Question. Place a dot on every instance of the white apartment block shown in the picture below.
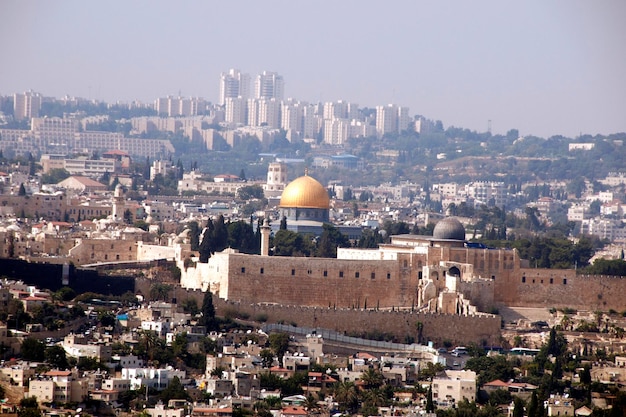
(609, 229)
(26, 105)
(159, 211)
(615, 179)
(264, 112)
(233, 84)
(454, 387)
(236, 110)
(341, 110)
(159, 167)
(311, 124)
(90, 167)
(179, 106)
(151, 377)
(292, 115)
(446, 189)
(269, 85)
(602, 196)
(578, 212)
(484, 192)
(58, 386)
(361, 129)
(391, 119)
(336, 131)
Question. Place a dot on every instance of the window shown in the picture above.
(551, 280)
(325, 273)
(243, 269)
(523, 279)
(340, 274)
(373, 275)
(356, 275)
(388, 275)
(564, 281)
(261, 271)
(293, 272)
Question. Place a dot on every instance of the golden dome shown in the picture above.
(305, 192)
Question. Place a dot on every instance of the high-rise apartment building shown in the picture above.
(391, 119)
(292, 113)
(264, 112)
(234, 84)
(26, 105)
(235, 110)
(269, 85)
(178, 106)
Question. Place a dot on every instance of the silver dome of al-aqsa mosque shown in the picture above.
(450, 229)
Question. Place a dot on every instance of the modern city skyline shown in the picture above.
(543, 68)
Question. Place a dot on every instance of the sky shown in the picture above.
(543, 67)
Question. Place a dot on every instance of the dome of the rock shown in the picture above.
(305, 192)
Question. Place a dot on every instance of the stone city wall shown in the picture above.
(563, 288)
(458, 329)
(321, 282)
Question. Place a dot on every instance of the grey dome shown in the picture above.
(449, 228)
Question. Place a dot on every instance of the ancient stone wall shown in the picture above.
(321, 282)
(458, 329)
(563, 288)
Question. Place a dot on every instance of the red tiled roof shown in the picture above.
(58, 373)
(497, 383)
(294, 411)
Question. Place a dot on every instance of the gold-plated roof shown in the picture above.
(305, 192)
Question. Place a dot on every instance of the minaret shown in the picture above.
(118, 202)
(265, 237)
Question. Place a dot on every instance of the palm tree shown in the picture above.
(159, 291)
(372, 378)
(347, 396)
(375, 397)
(311, 404)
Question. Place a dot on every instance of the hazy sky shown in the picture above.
(543, 67)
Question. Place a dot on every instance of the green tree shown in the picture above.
(241, 237)
(279, 343)
(372, 378)
(22, 191)
(208, 319)
(430, 405)
(518, 407)
(288, 243)
(33, 350)
(207, 247)
(54, 176)
(330, 239)
(28, 407)
(347, 396)
(220, 235)
(174, 391)
(250, 192)
(160, 291)
(55, 356)
(194, 234)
